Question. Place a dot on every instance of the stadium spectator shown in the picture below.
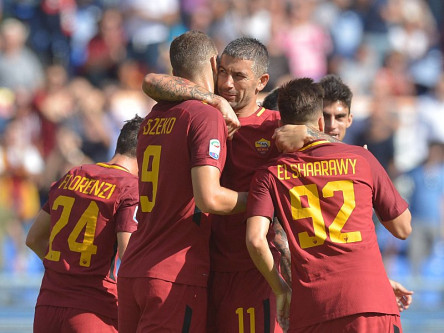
(293, 195)
(53, 103)
(20, 167)
(147, 24)
(106, 50)
(182, 149)
(88, 218)
(305, 42)
(19, 66)
(426, 204)
(90, 121)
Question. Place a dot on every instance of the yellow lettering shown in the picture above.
(302, 169)
(82, 184)
(88, 186)
(160, 126)
(286, 176)
(96, 188)
(111, 191)
(107, 187)
(309, 169)
(342, 166)
(332, 164)
(73, 183)
(279, 172)
(296, 173)
(317, 169)
(65, 181)
(325, 170)
(353, 164)
(171, 123)
(147, 127)
(152, 131)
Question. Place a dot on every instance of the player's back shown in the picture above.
(324, 197)
(171, 242)
(82, 250)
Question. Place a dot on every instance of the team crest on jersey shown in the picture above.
(262, 146)
(214, 149)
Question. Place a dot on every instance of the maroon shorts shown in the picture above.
(60, 319)
(359, 323)
(241, 302)
(154, 305)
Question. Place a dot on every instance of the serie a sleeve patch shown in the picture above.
(214, 149)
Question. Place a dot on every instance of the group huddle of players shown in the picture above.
(197, 256)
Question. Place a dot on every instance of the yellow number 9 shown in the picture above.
(150, 174)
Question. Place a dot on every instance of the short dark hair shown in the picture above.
(300, 101)
(247, 48)
(270, 101)
(127, 141)
(189, 51)
(336, 90)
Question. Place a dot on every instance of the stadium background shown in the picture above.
(71, 71)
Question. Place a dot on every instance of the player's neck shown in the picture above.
(247, 110)
(127, 162)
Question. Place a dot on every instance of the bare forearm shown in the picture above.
(281, 243)
(162, 87)
(226, 202)
(264, 262)
(39, 247)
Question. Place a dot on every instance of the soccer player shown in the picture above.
(337, 118)
(323, 195)
(337, 106)
(181, 153)
(240, 300)
(88, 217)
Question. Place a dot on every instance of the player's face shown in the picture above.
(237, 82)
(337, 119)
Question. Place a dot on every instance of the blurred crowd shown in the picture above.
(71, 73)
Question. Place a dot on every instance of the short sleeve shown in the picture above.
(125, 216)
(387, 201)
(260, 202)
(207, 137)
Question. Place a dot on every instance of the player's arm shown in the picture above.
(260, 253)
(403, 296)
(213, 198)
(162, 87)
(38, 236)
(122, 242)
(281, 242)
(290, 138)
(400, 226)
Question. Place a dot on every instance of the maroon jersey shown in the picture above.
(88, 206)
(172, 240)
(323, 195)
(251, 148)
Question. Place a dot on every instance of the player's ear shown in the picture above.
(262, 82)
(349, 120)
(321, 123)
(213, 61)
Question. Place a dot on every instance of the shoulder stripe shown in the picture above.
(112, 166)
(316, 143)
